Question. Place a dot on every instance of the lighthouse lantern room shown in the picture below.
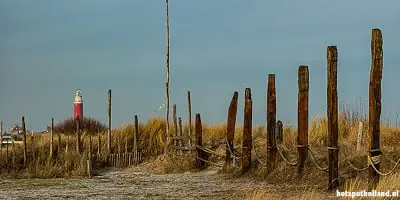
(78, 105)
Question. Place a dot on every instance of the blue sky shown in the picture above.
(49, 48)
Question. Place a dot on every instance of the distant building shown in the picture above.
(17, 130)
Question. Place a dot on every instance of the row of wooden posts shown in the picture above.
(303, 117)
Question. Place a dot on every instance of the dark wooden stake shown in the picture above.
(200, 164)
(302, 117)
(247, 132)
(230, 130)
(33, 147)
(109, 123)
(78, 137)
(375, 103)
(24, 132)
(271, 122)
(136, 135)
(333, 156)
(279, 132)
(98, 144)
(190, 119)
(51, 137)
(180, 143)
(175, 143)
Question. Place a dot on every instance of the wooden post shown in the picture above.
(1, 144)
(180, 144)
(77, 132)
(230, 130)
(13, 154)
(271, 122)
(360, 136)
(109, 123)
(59, 147)
(167, 78)
(1, 132)
(332, 98)
(200, 164)
(7, 154)
(375, 104)
(126, 143)
(247, 132)
(24, 133)
(66, 144)
(302, 117)
(98, 144)
(33, 147)
(90, 146)
(279, 132)
(175, 143)
(51, 137)
(89, 167)
(190, 119)
(136, 135)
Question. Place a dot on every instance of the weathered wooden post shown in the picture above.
(33, 146)
(175, 143)
(230, 130)
(66, 144)
(247, 132)
(360, 136)
(24, 133)
(375, 105)
(190, 119)
(7, 154)
(59, 147)
(332, 112)
(271, 122)
(1, 133)
(126, 143)
(302, 117)
(200, 163)
(136, 135)
(13, 154)
(180, 144)
(78, 138)
(98, 144)
(109, 123)
(51, 137)
(168, 138)
(279, 132)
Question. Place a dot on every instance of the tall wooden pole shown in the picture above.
(332, 98)
(51, 137)
(78, 137)
(302, 116)
(271, 122)
(136, 135)
(230, 130)
(109, 123)
(190, 119)
(247, 132)
(174, 117)
(24, 132)
(200, 163)
(1, 131)
(375, 104)
(168, 136)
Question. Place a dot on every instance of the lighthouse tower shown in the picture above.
(78, 105)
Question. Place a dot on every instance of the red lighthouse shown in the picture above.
(78, 105)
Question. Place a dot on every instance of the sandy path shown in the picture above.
(130, 184)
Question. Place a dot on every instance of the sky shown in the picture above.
(48, 49)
